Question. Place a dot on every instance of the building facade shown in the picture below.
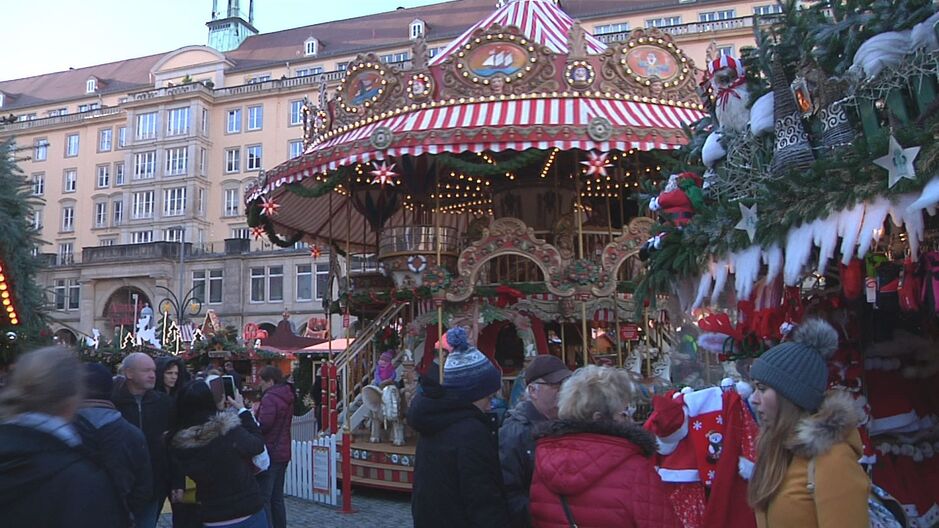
(141, 164)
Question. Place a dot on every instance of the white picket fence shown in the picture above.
(313, 463)
(304, 428)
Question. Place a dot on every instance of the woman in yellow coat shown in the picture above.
(803, 430)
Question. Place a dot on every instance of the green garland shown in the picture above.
(483, 168)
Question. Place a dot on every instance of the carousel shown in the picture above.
(489, 186)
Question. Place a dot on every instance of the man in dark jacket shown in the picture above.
(46, 477)
(275, 414)
(119, 447)
(543, 379)
(457, 480)
(154, 414)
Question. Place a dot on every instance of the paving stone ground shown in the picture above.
(373, 508)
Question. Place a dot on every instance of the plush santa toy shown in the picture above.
(681, 197)
(729, 83)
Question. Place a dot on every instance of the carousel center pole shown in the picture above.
(439, 302)
(609, 227)
(346, 388)
(327, 372)
(580, 253)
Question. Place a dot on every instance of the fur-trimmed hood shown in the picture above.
(834, 422)
(202, 435)
(631, 432)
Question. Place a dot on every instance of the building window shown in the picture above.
(259, 79)
(295, 149)
(141, 237)
(767, 10)
(608, 29)
(306, 72)
(66, 293)
(121, 137)
(71, 145)
(254, 157)
(58, 112)
(104, 139)
(234, 121)
(207, 285)
(71, 179)
(177, 121)
(322, 281)
(118, 207)
(304, 282)
(106, 242)
(59, 293)
(310, 46)
(233, 160)
(663, 21)
(342, 66)
(39, 184)
(41, 150)
(255, 117)
(119, 173)
(74, 293)
(725, 50)
(275, 283)
(258, 280)
(101, 214)
(91, 85)
(104, 176)
(714, 16)
(177, 161)
(37, 219)
(143, 205)
(296, 112)
(147, 125)
(174, 201)
(242, 233)
(174, 234)
(231, 203)
(202, 154)
(205, 122)
(201, 203)
(416, 29)
(144, 165)
(66, 253)
(68, 219)
(395, 57)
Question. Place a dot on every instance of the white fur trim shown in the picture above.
(897, 422)
(679, 475)
(745, 468)
(704, 401)
(668, 444)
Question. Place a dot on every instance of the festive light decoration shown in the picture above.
(384, 174)
(6, 301)
(898, 161)
(596, 163)
(258, 232)
(315, 251)
(269, 207)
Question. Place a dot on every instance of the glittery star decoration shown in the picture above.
(747, 220)
(269, 207)
(596, 163)
(258, 232)
(315, 251)
(898, 161)
(384, 175)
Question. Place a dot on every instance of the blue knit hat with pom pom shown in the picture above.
(796, 369)
(468, 374)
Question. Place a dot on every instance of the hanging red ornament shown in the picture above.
(269, 207)
(596, 163)
(315, 251)
(384, 174)
(258, 232)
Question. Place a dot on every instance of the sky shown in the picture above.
(53, 35)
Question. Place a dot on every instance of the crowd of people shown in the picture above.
(82, 447)
(570, 454)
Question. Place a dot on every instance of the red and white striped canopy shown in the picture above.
(542, 21)
(495, 126)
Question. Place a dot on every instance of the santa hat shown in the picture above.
(726, 61)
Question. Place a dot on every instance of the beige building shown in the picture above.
(139, 158)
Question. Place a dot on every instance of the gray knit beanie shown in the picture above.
(796, 369)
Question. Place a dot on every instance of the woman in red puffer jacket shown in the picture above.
(598, 461)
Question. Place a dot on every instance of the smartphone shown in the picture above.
(228, 382)
(217, 388)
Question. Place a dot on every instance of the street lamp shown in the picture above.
(181, 303)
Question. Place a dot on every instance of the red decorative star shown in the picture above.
(596, 163)
(269, 207)
(258, 232)
(384, 175)
(315, 251)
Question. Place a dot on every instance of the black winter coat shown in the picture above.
(517, 455)
(457, 479)
(45, 483)
(217, 457)
(120, 448)
(155, 416)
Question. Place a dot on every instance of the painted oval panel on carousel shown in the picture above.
(497, 58)
(652, 61)
(363, 87)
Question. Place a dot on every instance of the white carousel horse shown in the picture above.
(384, 405)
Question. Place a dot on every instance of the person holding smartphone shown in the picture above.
(214, 443)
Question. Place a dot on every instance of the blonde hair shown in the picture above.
(47, 380)
(593, 389)
(772, 454)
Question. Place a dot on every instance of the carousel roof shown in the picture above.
(542, 21)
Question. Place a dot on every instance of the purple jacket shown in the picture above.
(275, 415)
